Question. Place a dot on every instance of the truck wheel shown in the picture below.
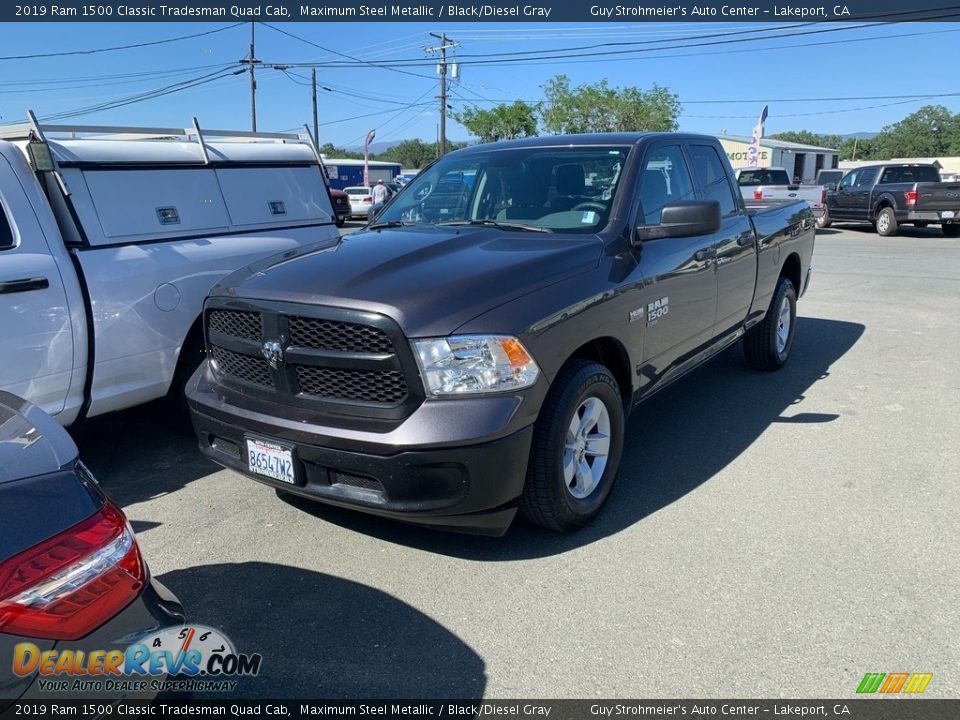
(951, 231)
(824, 221)
(767, 345)
(577, 444)
(886, 222)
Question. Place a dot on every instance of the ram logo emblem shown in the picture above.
(272, 352)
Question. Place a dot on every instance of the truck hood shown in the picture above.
(431, 280)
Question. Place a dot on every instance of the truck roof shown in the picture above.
(619, 138)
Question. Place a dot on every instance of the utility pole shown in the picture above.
(313, 97)
(445, 45)
(251, 62)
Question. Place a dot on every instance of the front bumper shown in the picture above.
(443, 477)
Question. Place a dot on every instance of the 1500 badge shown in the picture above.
(657, 309)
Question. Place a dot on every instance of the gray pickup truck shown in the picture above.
(476, 350)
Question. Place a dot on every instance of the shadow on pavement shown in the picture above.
(676, 441)
(141, 453)
(322, 636)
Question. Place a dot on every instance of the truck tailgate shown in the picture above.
(937, 197)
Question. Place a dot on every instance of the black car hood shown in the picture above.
(31, 442)
(431, 280)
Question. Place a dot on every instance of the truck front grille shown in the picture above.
(332, 335)
(243, 367)
(342, 361)
(385, 386)
(236, 323)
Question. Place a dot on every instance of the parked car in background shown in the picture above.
(109, 246)
(892, 194)
(361, 200)
(71, 573)
(341, 205)
(773, 183)
(829, 178)
(477, 349)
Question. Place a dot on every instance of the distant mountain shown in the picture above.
(860, 136)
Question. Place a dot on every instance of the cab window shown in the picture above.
(666, 179)
(6, 232)
(712, 176)
(849, 180)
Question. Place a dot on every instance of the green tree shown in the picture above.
(410, 153)
(929, 132)
(502, 122)
(805, 137)
(601, 108)
(332, 151)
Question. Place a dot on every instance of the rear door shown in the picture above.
(680, 299)
(36, 334)
(736, 254)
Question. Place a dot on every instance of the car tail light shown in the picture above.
(758, 194)
(911, 196)
(69, 585)
(823, 197)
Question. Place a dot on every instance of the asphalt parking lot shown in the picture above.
(771, 535)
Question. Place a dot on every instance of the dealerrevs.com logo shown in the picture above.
(894, 683)
(190, 658)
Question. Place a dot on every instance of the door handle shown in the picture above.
(23, 285)
(705, 254)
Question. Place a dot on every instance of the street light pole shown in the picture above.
(313, 97)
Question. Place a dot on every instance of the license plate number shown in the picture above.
(948, 214)
(270, 460)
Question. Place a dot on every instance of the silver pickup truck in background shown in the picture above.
(111, 238)
(773, 183)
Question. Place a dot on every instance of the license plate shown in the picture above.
(270, 460)
(948, 214)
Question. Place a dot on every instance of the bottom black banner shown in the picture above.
(858, 709)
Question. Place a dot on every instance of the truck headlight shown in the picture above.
(471, 364)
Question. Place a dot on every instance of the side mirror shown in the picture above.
(687, 218)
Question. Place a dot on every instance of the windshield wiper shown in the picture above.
(487, 222)
(391, 224)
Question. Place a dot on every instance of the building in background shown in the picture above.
(349, 173)
(800, 161)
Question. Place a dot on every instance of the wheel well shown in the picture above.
(609, 352)
(193, 337)
(792, 271)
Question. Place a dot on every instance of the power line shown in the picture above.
(119, 47)
(350, 57)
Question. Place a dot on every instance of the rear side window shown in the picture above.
(712, 175)
(6, 232)
(921, 173)
(759, 176)
(666, 179)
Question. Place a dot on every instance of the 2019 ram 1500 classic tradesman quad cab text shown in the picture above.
(477, 349)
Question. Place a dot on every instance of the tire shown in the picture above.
(824, 221)
(951, 231)
(766, 346)
(886, 222)
(584, 403)
(341, 220)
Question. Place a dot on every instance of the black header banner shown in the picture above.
(380, 709)
(465, 11)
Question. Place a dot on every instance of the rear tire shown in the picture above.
(886, 222)
(824, 221)
(951, 231)
(577, 444)
(767, 345)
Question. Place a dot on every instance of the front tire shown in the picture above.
(767, 345)
(824, 221)
(951, 231)
(886, 222)
(577, 444)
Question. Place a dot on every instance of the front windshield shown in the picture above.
(557, 189)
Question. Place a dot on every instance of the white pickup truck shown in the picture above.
(758, 184)
(109, 243)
